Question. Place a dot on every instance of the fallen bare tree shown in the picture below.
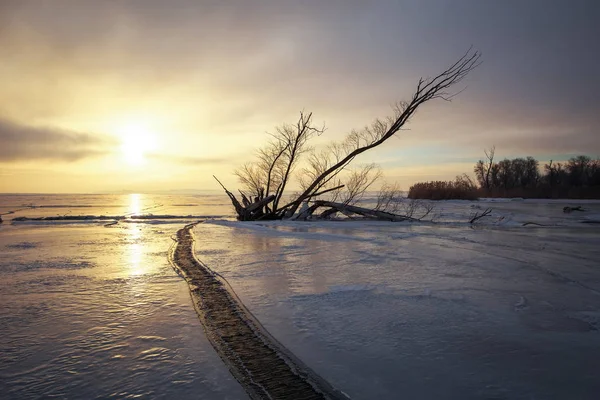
(265, 180)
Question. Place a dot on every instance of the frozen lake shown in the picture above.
(95, 312)
(381, 310)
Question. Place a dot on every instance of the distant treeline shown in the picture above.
(461, 188)
(577, 178)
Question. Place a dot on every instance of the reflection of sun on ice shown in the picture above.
(135, 248)
(134, 204)
(135, 251)
(136, 142)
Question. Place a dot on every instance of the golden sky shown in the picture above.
(154, 95)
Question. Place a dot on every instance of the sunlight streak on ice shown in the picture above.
(135, 203)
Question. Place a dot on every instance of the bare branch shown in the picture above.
(325, 169)
(296, 145)
(359, 182)
(427, 89)
(389, 198)
(478, 216)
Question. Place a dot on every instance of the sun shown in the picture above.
(136, 141)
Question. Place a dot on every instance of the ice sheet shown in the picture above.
(381, 310)
(93, 312)
(390, 310)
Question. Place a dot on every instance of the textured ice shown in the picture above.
(381, 310)
(93, 312)
(390, 310)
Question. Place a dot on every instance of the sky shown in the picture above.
(148, 95)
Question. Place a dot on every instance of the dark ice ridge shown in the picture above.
(264, 367)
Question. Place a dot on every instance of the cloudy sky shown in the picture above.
(148, 95)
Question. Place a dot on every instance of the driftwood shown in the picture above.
(256, 210)
(349, 210)
(245, 200)
(477, 216)
(316, 194)
(250, 211)
(260, 204)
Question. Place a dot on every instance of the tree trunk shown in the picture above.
(349, 209)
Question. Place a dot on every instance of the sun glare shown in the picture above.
(136, 142)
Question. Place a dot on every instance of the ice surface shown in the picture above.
(93, 312)
(44, 205)
(381, 310)
(395, 310)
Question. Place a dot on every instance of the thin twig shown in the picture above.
(478, 216)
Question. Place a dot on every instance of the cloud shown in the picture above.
(190, 160)
(240, 68)
(26, 143)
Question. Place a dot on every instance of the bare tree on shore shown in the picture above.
(483, 169)
(265, 180)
